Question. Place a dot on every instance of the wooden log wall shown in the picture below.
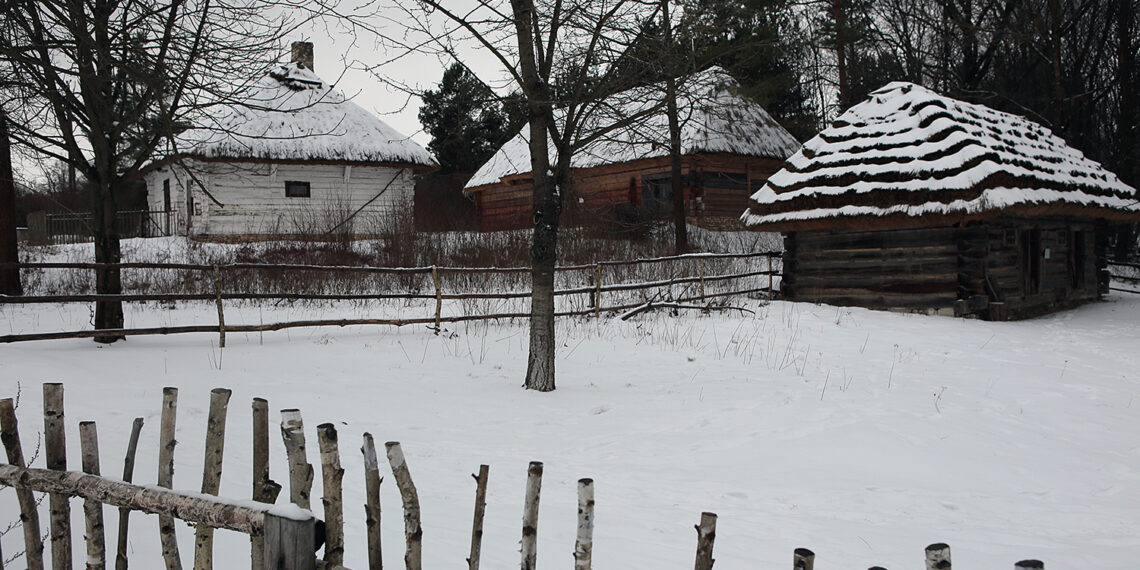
(1001, 268)
(723, 182)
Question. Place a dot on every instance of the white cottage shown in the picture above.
(295, 157)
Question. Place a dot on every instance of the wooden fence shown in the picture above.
(283, 537)
(1118, 271)
(698, 286)
(75, 227)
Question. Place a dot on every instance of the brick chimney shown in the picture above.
(303, 54)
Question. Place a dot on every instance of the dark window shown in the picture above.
(296, 189)
(726, 180)
(166, 195)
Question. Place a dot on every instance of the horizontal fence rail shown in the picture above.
(1125, 273)
(695, 285)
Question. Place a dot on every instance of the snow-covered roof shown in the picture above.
(292, 114)
(910, 153)
(713, 119)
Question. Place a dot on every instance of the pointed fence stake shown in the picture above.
(413, 532)
(125, 513)
(29, 511)
(166, 475)
(265, 490)
(706, 535)
(300, 471)
(332, 476)
(530, 515)
(55, 453)
(477, 521)
(92, 510)
(372, 481)
(584, 544)
(211, 473)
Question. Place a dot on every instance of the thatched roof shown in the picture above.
(293, 115)
(714, 119)
(910, 157)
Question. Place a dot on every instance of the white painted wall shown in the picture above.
(253, 197)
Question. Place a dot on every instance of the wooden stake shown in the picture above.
(803, 559)
(265, 490)
(55, 452)
(706, 535)
(29, 513)
(771, 279)
(332, 476)
(92, 510)
(530, 515)
(598, 290)
(211, 473)
(124, 513)
(300, 471)
(477, 522)
(372, 481)
(166, 475)
(1029, 565)
(413, 532)
(438, 297)
(938, 556)
(701, 269)
(218, 300)
(584, 545)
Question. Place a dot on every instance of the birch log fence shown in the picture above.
(603, 278)
(287, 536)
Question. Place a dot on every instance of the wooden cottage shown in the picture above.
(295, 157)
(730, 146)
(916, 201)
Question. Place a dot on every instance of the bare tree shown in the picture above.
(102, 84)
(9, 252)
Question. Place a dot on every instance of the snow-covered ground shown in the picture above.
(862, 435)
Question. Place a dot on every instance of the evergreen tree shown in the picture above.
(466, 120)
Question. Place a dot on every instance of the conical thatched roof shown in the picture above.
(910, 157)
(714, 119)
(293, 115)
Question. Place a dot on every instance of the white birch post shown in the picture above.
(265, 490)
(938, 556)
(92, 510)
(211, 473)
(55, 454)
(477, 520)
(706, 534)
(584, 545)
(29, 511)
(332, 476)
(218, 300)
(413, 532)
(372, 481)
(530, 516)
(803, 559)
(1029, 565)
(124, 513)
(166, 475)
(300, 471)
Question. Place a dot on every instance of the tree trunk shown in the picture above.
(841, 54)
(680, 229)
(1127, 120)
(9, 251)
(108, 314)
(547, 205)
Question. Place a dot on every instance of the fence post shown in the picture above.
(413, 532)
(477, 522)
(803, 559)
(372, 502)
(166, 475)
(530, 515)
(771, 279)
(938, 556)
(125, 513)
(584, 545)
(598, 291)
(92, 510)
(55, 452)
(706, 534)
(438, 296)
(211, 472)
(218, 299)
(29, 513)
(265, 490)
(331, 476)
(300, 471)
(289, 543)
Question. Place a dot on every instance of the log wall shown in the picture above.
(998, 269)
(717, 186)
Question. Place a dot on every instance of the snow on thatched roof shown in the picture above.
(713, 119)
(293, 115)
(908, 154)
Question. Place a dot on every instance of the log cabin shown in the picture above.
(915, 201)
(730, 146)
(292, 157)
